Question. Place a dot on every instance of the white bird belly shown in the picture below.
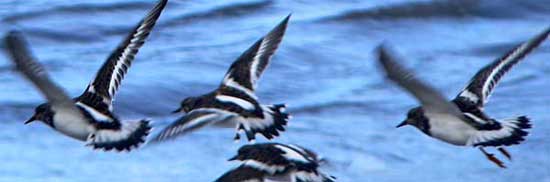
(450, 129)
(72, 126)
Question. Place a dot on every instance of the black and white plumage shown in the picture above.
(89, 117)
(234, 101)
(274, 162)
(462, 121)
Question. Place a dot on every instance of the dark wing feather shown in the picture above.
(242, 174)
(247, 69)
(110, 76)
(20, 54)
(431, 100)
(485, 80)
(190, 122)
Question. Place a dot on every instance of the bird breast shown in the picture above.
(72, 126)
(450, 129)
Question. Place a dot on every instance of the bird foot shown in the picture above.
(493, 159)
(237, 138)
(505, 153)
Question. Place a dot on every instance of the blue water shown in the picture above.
(325, 70)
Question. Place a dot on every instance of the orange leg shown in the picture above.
(492, 158)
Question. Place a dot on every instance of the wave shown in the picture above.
(232, 10)
(77, 9)
(60, 35)
(445, 9)
(336, 105)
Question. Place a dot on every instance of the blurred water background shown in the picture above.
(325, 70)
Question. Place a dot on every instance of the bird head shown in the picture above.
(186, 105)
(416, 118)
(42, 113)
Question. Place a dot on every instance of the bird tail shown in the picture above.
(130, 135)
(511, 132)
(274, 121)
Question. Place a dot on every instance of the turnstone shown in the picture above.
(234, 101)
(276, 162)
(462, 121)
(88, 117)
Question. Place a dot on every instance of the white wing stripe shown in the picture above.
(95, 114)
(271, 169)
(487, 86)
(199, 120)
(471, 96)
(291, 154)
(475, 118)
(231, 83)
(177, 129)
(240, 102)
(256, 60)
(122, 60)
(302, 151)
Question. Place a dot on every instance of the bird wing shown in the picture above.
(21, 55)
(247, 69)
(110, 75)
(190, 122)
(431, 100)
(485, 80)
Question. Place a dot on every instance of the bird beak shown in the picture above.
(234, 158)
(177, 110)
(402, 124)
(33, 118)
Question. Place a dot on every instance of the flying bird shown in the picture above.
(234, 101)
(88, 117)
(275, 162)
(462, 121)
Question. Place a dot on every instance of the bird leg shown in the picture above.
(505, 153)
(492, 158)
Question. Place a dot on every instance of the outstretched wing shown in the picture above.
(110, 76)
(431, 100)
(485, 80)
(20, 54)
(190, 122)
(244, 73)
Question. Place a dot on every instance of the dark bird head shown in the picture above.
(416, 118)
(264, 152)
(42, 113)
(187, 105)
(245, 152)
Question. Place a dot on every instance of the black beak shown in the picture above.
(233, 158)
(33, 118)
(177, 110)
(402, 124)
